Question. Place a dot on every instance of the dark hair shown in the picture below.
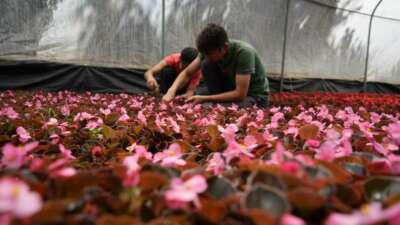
(188, 54)
(212, 37)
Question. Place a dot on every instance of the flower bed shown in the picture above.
(70, 158)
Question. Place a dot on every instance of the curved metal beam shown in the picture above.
(368, 45)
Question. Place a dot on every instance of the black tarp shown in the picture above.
(33, 75)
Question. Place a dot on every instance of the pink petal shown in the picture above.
(289, 219)
(65, 172)
(197, 184)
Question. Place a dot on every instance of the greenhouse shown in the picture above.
(200, 112)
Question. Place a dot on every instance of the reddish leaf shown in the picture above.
(308, 132)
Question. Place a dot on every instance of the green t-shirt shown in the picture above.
(242, 58)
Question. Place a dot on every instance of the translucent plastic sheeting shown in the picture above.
(389, 8)
(322, 42)
(384, 61)
(94, 32)
(258, 22)
(361, 6)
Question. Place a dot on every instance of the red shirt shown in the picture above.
(174, 61)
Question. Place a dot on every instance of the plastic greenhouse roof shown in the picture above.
(388, 8)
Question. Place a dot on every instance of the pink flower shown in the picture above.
(229, 132)
(344, 149)
(289, 219)
(216, 164)
(241, 120)
(17, 199)
(94, 123)
(141, 151)
(64, 172)
(277, 116)
(269, 138)
(51, 122)
(369, 214)
(23, 135)
(83, 116)
(280, 154)
(105, 111)
(132, 173)
(389, 164)
(324, 113)
(179, 117)
(236, 149)
(9, 112)
(59, 168)
(366, 128)
(303, 116)
(159, 123)
(384, 148)
(312, 143)
(123, 118)
(260, 115)
(13, 157)
(275, 109)
(163, 106)
(66, 152)
(326, 151)
(337, 145)
(63, 129)
(291, 167)
(96, 150)
(394, 132)
(332, 135)
(170, 157)
(142, 118)
(375, 117)
(233, 107)
(182, 193)
(174, 125)
(65, 110)
(292, 130)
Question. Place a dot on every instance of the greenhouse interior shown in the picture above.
(199, 112)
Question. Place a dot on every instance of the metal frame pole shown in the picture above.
(368, 45)
(163, 29)
(284, 46)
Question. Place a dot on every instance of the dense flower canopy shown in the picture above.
(133, 159)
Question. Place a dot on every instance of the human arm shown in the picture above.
(236, 95)
(194, 83)
(149, 75)
(182, 79)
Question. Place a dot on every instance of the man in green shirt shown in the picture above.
(232, 71)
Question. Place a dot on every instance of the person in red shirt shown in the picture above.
(168, 69)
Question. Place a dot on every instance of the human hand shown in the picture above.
(152, 84)
(168, 96)
(196, 99)
(188, 94)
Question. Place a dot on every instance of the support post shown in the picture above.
(368, 46)
(284, 46)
